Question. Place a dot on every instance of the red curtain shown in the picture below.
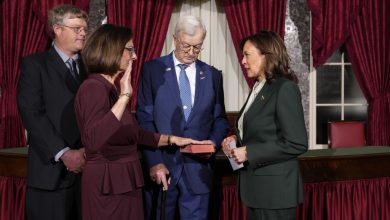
(41, 7)
(331, 22)
(12, 198)
(246, 17)
(369, 51)
(355, 199)
(149, 21)
(19, 37)
(231, 208)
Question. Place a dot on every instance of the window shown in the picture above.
(337, 96)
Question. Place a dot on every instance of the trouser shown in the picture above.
(61, 204)
(271, 214)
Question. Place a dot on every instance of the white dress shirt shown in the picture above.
(255, 91)
(191, 74)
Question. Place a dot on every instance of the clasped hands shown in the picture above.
(74, 160)
(239, 154)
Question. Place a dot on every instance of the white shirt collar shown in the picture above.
(177, 62)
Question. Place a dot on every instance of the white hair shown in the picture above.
(188, 25)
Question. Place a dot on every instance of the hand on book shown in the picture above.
(180, 141)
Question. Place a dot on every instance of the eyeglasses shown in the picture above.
(76, 30)
(187, 47)
(131, 51)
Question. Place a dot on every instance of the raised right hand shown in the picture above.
(125, 81)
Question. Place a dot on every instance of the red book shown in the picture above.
(198, 148)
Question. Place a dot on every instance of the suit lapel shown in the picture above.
(57, 65)
(260, 101)
(201, 79)
(171, 79)
(238, 117)
(261, 98)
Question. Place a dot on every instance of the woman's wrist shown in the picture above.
(127, 95)
(170, 140)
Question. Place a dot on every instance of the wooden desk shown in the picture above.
(345, 164)
(13, 162)
(327, 165)
(316, 165)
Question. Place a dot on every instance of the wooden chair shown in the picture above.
(346, 134)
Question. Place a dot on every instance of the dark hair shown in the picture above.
(58, 14)
(104, 48)
(277, 60)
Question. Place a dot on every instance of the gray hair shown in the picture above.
(188, 24)
(58, 14)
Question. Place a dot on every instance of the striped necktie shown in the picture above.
(72, 65)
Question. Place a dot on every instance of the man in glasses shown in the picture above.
(46, 90)
(181, 95)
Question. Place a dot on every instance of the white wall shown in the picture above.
(218, 47)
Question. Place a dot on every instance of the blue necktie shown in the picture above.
(185, 91)
(73, 69)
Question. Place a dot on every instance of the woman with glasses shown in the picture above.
(112, 178)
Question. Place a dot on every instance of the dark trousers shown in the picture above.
(271, 214)
(62, 204)
(190, 206)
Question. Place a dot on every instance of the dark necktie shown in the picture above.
(72, 65)
(185, 91)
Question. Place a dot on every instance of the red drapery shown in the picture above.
(12, 198)
(246, 17)
(369, 51)
(149, 21)
(19, 37)
(331, 22)
(355, 199)
(41, 7)
(231, 208)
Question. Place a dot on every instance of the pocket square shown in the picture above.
(168, 69)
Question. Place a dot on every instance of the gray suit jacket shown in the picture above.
(274, 134)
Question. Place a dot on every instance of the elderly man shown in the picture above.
(181, 95)
(46, 90)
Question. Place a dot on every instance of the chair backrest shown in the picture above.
(346, 134)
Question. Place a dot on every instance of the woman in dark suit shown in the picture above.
(271, 132)
(112, 177)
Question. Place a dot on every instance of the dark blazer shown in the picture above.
(45, 96)
(274, 135)
(159, 109)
